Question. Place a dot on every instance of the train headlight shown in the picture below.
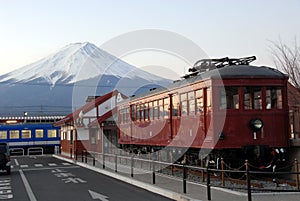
(256, 124)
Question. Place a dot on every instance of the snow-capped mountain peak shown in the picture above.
(73, 63)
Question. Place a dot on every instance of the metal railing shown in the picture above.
(17, 151)
(35, 150)
(154, 167)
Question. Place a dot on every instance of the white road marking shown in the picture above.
(16, 162)
(66, 163)
(52, 164)
(5, 189)
(24, 166)
(27, 187)
(98, 196)
(38, 165)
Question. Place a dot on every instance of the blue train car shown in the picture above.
(27, 136)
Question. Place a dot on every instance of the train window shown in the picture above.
(183, 100)
(51, 133)
(138, 113)
(146, 111)
(161, 109)
(26, 134)
(175, 105)
(273, 98)
(155, 109)
(133, 112)
(166, 108)
(252, 98)
(229, 98)
(150, 111)
(39, 133)
(14, 134)
(3, 135)
(199, 100)
(191, 99)
(208, 99)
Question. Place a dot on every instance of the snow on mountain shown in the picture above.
(60, 82)
(74, 63)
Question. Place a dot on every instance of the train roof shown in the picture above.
(226, 72)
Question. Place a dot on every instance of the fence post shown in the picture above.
(153, 171)
(202, 171)
(103, 160)
(184, 178)
(82, 156)
(131, 165)
(116, 163)
(208, 184)
(248, 180)
(297, 175)
(223, 176)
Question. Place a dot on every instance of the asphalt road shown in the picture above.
(46, 178)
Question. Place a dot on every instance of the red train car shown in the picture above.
(224, 108)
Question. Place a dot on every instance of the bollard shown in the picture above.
(184, 179)
(86, 153)
(94, 161)
(71, 153)
(76, 154)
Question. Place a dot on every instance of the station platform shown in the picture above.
(173, 187)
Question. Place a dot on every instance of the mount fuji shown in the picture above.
(60, 82)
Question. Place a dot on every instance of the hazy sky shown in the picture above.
(32, 29)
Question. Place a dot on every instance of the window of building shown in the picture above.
(26, 134)
(39, 133)
(93, 135)
(252, 98)
(51, 133)
(273, 98)
(3, 135)
(183, 101)
(229, 98)
(14, 134)
(199, 100)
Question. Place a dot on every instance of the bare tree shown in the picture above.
(287, 59)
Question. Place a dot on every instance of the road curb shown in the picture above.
(149, 187)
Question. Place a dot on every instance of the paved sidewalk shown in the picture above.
(173, 187)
